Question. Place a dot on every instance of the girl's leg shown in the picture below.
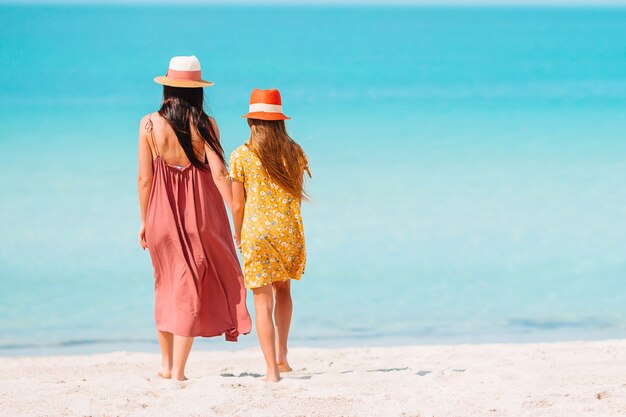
(166, 342)
(282, 316)
(263, 306)
(182, 347)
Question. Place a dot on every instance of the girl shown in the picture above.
(183, 184)
(267, 174)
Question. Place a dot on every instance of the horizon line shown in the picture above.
(326, 3)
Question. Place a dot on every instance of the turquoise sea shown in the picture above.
(469, 167)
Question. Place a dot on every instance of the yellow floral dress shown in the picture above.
(272, 234)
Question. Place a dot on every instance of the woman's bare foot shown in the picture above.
(165, 374)
(272, 377)
(180, 378)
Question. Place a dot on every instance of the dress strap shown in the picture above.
(150, 128)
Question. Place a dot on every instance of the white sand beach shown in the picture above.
(556, 379)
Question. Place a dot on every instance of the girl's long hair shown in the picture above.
(183, 109)
(281, 157)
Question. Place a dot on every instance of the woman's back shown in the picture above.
(167, 144)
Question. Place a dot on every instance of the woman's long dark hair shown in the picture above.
(183, 109)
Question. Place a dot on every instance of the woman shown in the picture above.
(183, 183)
(268, 173)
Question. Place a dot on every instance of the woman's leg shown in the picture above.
(263, 306)
(182, 347)
(282, 317)
(166, 342)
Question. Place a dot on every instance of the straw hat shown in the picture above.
(265, 105)
(184, 72)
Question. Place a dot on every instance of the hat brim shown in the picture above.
(261, 115)
(170, 82)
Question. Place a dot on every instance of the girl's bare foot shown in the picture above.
(178, 375)
(284, 367)
(281, 360)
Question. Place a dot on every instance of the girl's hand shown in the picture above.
(237, 242)
(142, 237)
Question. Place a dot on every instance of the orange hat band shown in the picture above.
(267, 108)
(184, 75)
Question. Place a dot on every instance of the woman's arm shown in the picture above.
(219, 171)
(144, 180)
(239, 197)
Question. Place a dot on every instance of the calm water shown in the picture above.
(469, 167)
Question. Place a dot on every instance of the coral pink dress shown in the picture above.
(199, 288)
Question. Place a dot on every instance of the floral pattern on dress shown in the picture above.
(272, 234)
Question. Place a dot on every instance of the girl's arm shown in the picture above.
(144, 180)
(239, 198)
(219, 171)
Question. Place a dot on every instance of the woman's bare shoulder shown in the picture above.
(214, 126)
(146, 121)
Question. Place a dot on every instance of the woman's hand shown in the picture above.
(142, 237)
(237, 239)
(144, 179)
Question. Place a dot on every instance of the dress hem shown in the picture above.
(278, 280)
(227, 336)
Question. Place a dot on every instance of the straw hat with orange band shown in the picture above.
(183, 72)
